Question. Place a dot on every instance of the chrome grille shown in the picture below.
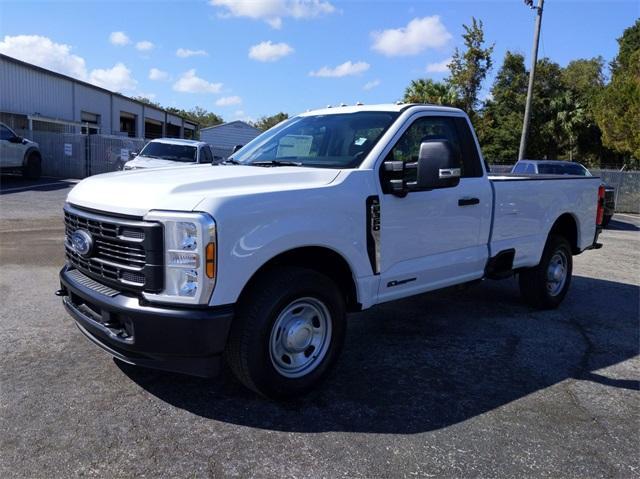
(126, 253)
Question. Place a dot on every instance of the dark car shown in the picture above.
(557, 167)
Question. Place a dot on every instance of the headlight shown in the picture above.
(190, 262)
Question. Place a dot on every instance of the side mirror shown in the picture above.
(133, 154)
(236, 148)
(15, 139)
(438, 166)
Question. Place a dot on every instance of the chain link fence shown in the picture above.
(627, 185)
(73, 155)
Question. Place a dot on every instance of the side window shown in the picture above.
(425, 129)
(5, 133)
(205, 155)
(520, 168)
(530, 169)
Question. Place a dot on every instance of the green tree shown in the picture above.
(469, 68)
(426, 90)
(147, 101)
(500, 123)
(617, 109)
(199, 115)
(267, 122)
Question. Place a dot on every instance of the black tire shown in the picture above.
(606, 220)
(536, 287)
(32, 169)
(249, 349)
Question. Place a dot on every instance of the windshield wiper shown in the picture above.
(276, 163)
(230, 161)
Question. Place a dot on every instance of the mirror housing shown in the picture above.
(133, 154)
(236, 148)
(16, 139)
(437, 166)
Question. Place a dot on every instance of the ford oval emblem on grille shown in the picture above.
(82, 242)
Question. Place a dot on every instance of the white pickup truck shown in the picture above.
(258, 260)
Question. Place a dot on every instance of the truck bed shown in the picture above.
(526, 206)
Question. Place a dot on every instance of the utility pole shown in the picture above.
(532, 74)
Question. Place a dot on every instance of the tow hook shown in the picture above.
(62, 292)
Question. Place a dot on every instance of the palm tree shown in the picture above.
(426, 90)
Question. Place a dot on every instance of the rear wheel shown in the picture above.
(288, 332)
(33, 167)
(545, 286)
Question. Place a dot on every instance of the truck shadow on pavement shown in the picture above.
(17, 184)
(436, 360)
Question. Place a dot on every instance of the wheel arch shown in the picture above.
(30, 151)
(566, 225)
(318, 258)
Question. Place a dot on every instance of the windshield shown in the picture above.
(167, 151)
(340, 140)
(563, 169)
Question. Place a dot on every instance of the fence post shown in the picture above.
(87, 154)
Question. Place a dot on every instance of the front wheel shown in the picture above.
(545, 286)
(33, 167)
(288, 332)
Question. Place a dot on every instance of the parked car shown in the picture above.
(163, 152)
(18, 154)
(259, 259)
(557, 167)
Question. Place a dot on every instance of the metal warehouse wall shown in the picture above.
(29, 91)
(227, 135)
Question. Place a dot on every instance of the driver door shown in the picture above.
(435, 238)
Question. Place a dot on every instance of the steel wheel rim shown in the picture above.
(300, 337)
(557, 273)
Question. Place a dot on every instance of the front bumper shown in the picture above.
(184, 340)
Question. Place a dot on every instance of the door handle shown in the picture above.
(468, 201)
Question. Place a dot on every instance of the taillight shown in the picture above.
(600, 214)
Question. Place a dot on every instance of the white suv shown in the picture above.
(19, 154)
(163, 152)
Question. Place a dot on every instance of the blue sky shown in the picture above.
(245, 59)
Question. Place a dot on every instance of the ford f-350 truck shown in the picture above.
(258, 260)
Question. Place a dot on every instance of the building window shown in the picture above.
(173, 131)
(152, 129)
(128, 123)
(91, 123)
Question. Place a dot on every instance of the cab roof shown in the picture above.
(383, 107)
(178, 141)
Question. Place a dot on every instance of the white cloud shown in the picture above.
(345, 69)
(118, 78)
(228, 101)
(241, 115)
(190, 83)
(45, 53)
(370, 85)
(119, 39)
(144, 46)
(273, 11)
(269, 52)
(186, 53)
(439, 67)
(158, 75)
(419, 34)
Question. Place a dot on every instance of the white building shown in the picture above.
(224, 137)
(34, 98)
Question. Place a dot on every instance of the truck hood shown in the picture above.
(146, 162)
(136, 192)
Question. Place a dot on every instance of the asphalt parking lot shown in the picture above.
(461, 383)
